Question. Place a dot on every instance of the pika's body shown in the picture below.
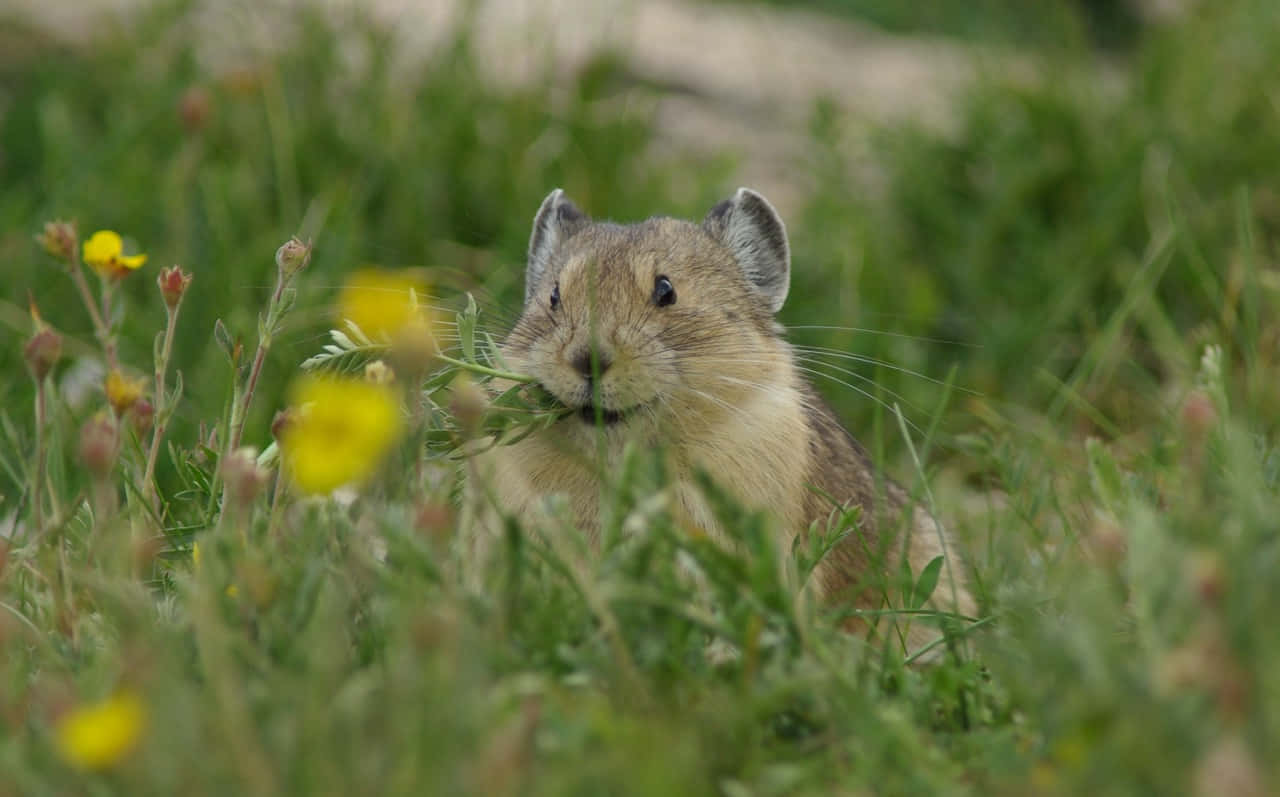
(663, 333)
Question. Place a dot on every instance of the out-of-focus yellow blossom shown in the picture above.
(122, 392)
(99, 735)
(383, 303)
(342, 431)
(104, 253)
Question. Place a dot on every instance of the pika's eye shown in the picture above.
(555, 296)
(664, 293)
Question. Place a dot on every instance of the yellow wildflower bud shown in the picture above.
(104, 253)
(343, 429)
(99, 735)
(122, 392)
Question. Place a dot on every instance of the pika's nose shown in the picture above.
(581, 363)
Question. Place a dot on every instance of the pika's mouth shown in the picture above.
(590, 414)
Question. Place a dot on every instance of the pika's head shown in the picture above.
(655, 327)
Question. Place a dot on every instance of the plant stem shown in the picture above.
(277, 499)
(475, 368)
(149, 490)
(37, 476)
(240, 414)
(100, 328)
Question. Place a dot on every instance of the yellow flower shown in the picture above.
(122, 392)
(383, 303)
(341, 433)
(104, 253)
(98, 735)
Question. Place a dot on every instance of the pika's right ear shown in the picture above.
(753, 231)
(557, 220)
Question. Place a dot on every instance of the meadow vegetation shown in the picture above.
(1055, 320)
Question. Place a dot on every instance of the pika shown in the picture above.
(663, 333)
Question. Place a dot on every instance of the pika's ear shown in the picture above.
(753, 231)
(557, 220)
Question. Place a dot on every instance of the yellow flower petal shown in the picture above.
(102, 247)
(123, 392)
(343, 431)
(99, 735)
(380, 302)
(104, 253)
(131, 262)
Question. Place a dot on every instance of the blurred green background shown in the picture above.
(1094, 159)
(1111, 152)
(1054, 207)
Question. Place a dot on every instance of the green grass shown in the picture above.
(1091, 264)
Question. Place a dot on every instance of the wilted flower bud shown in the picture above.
(44, 348)
(1229, 768)
(467, 403)
(379, 373)
(194, 108)
(173, 284)
(242, 475)
(414, 347)
(293, 256)
(282, 420)
(435, 519)
(59, 239)
(1207, 577)
(142, 414)
(147, 550)
(122, 392)
(99, 443)
(1198, 414)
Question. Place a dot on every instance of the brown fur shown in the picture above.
(710, 380)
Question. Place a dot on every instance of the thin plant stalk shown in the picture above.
(275, 311)
(37, 475)
(162, 410)
(291, 258)
(99, 318)
(277, 503)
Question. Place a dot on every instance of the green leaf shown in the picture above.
(927, 582)
(467, 329)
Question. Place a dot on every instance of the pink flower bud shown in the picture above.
(99, 444)
(173, 284)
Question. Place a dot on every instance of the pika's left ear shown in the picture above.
(753, 231)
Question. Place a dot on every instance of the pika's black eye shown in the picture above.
(664, 293)
(555, 296)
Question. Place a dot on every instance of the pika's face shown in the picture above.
(645, 329)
